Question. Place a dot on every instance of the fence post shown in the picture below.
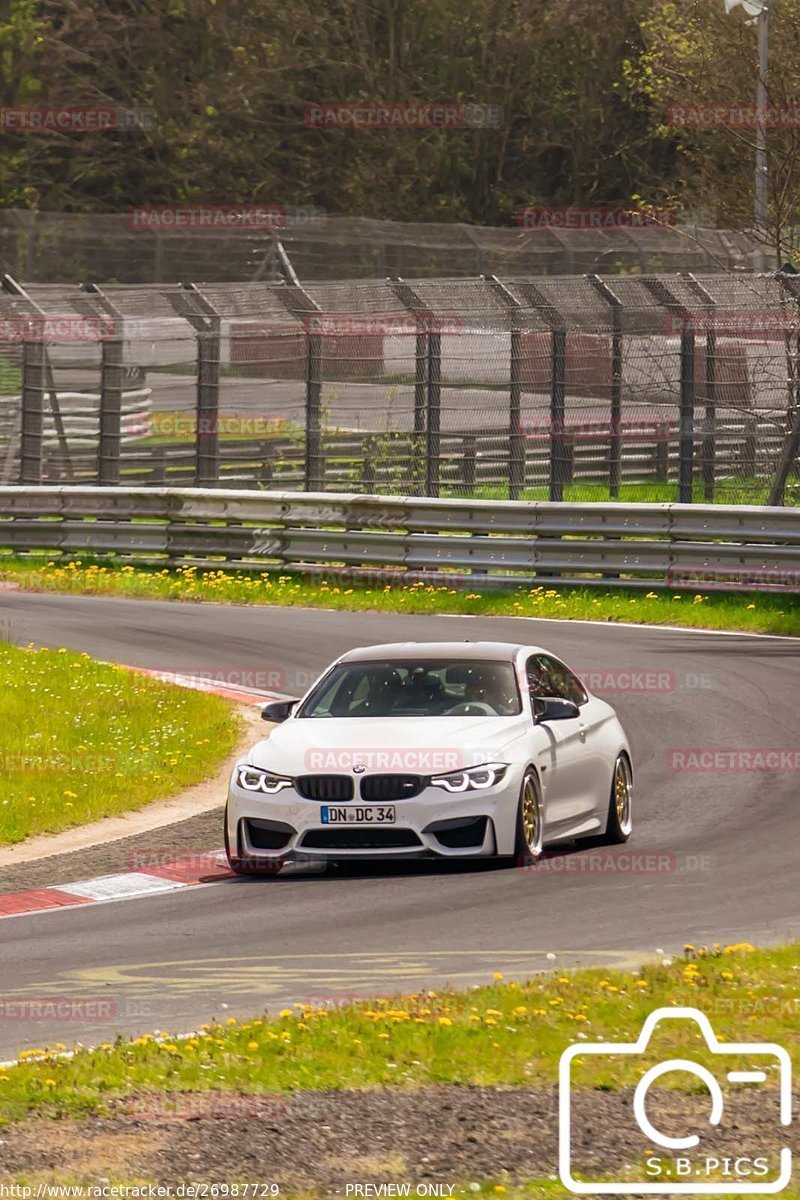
(433, 439)
(298, 302)
(615, 438)
(112, 385)
(32, 429)
(559, 464)
(35, 311)
(427, 386)
(313, 418)
(708, 452)
(686, 443)
(207, 436)
(193, 306)
(516, 438)
(791, 447)
(110, 439)
(671, 304)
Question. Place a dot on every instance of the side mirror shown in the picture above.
(553, 708)
(277, 710)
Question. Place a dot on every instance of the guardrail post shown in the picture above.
(615, 439)
(32, 430)
(110, 439)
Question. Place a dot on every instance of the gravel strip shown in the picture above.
(322, 1141)
(196, 835)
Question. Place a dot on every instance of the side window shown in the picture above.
(549, 677)
(566, 685)
(539, 683)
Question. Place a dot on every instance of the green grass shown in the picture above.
(81, 740)
(740, 490)
(501, 1034)
(756, 612)
(10, 378)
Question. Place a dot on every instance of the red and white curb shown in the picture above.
(171, 875)
(126, 885)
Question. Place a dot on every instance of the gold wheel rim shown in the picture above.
(622, 793)
(530, 815)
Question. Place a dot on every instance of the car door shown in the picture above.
(570, 760)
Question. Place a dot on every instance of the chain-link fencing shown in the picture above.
(682, 387)
(225, 243)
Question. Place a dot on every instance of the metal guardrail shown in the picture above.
(481, 544)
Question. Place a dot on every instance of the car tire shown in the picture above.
(247, 866)
(620, 804)
(529, 841)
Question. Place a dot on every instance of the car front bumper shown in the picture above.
(434, 824)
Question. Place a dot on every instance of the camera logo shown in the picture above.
(678, 1171)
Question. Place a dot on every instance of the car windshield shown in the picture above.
(416, 688)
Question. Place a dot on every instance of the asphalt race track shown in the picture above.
(727, 839)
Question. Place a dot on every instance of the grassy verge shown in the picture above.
(736, 490)
(10, 378)
(502, 1034)
(81, 740)
(756, 612)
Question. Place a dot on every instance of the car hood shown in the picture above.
(419, 746)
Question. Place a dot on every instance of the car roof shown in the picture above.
(480, 651)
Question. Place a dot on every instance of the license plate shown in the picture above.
(374, 814)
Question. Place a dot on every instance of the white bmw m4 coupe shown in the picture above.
(432, 750)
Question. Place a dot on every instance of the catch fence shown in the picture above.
(636, 387)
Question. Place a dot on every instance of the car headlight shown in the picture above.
(253, 779)
(471, 779)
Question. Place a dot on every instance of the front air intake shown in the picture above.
(331, 789)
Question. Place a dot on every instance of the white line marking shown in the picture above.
(642, 625)
(117, 887)
(747, 1076)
